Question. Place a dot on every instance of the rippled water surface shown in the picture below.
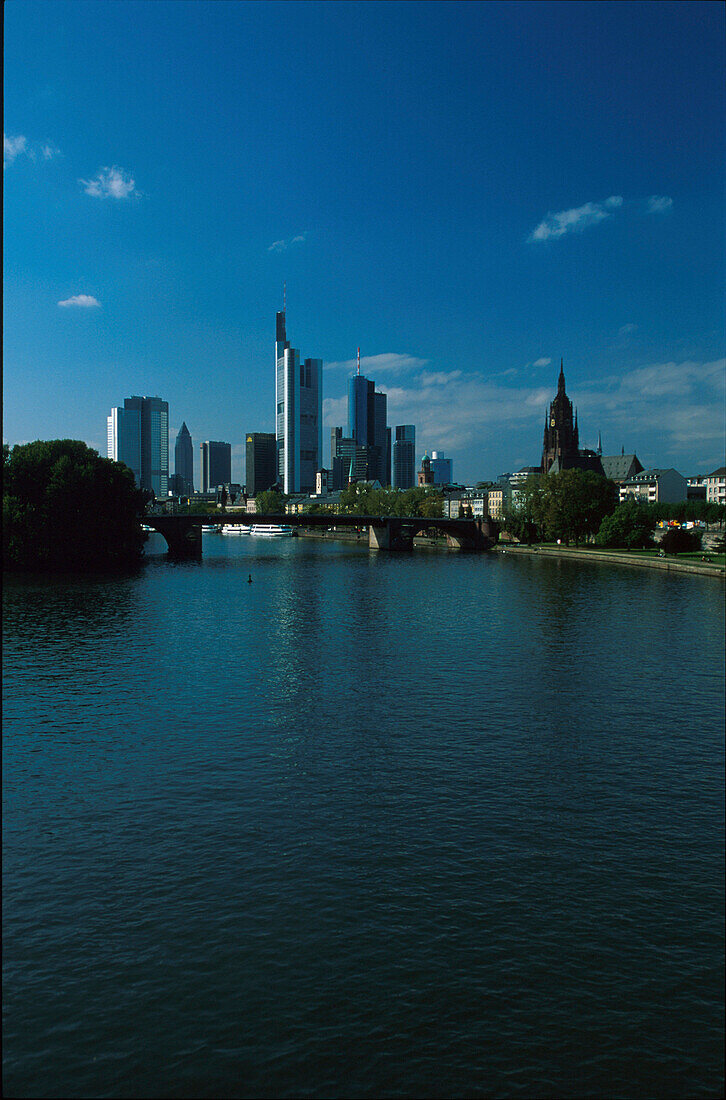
(424, 825)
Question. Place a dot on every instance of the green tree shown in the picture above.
(271, 502)
(629, 527)
(66, 508)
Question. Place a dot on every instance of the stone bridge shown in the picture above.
(183, 534)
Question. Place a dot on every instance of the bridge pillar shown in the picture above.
(184, 540)
(389, 535)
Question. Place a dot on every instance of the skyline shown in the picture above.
(468, 192)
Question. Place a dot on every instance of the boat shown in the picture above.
(272, 530)
(145, 527)
(208, 528)
(231, 529)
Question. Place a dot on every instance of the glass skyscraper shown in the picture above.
(216, 464)
(367, 416)
(404, 457)
(184, 461)
(298, 415)
(138, 435)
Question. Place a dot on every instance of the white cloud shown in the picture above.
(13, 147)
(439, 378)
(627, 330)
(81, 301)
(110, 183)
(575, 219)
(543, 362)
(49, 151)
(657, 204)
(282, 246)
(372, 365)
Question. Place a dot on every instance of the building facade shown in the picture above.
(184, 461)
(298, 415)
(138, 435)
(367, 425)
(261, 462)
(403, 462)
(348, 460)
(216, 466)
(655, 487)
(442, 468)
(716, 486)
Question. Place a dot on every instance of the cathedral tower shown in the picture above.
(561, 437)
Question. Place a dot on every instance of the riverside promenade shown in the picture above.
(670, 563)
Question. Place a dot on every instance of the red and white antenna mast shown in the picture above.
(358, 371)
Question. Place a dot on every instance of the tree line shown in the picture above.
(67, 509)
(582, 506)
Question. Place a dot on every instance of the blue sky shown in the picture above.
(467, 191)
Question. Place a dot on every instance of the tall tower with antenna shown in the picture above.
(298, 412)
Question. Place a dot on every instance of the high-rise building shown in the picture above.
(404, 457)
(298, 415)
(261, 462)
(184, 461)
(441, 468)
(348, 461)
(216, 464)
(367, 416)
(138, 435)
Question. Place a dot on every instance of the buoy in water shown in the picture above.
(249, 579)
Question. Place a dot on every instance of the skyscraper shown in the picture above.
(261, 462)
(298, 415)
(216, 464)
(367, 415)
(138, 434)
(184, 461)
(404, 457)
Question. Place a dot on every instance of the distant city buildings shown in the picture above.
(183, 462)
(348, 460)
(138, 435)
(261, 462)
(403, 460)
(298, 415)
(367, 426)
(216, 464)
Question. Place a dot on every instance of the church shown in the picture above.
(561, 445)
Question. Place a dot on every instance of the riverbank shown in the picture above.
(642, 559)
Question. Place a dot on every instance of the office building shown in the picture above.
(403, 462)
(367, 416)
(184, 462)
(138, 435)
(298, 415)
(216, 464)
(441, 468)
(348, 460)
(261, 462)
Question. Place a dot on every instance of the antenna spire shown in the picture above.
(358, 370)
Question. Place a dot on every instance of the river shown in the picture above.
(417, 825)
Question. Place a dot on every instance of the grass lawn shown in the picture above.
(694, 557)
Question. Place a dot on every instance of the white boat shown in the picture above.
(235, 529)
(273, 530)
(145, 527)
(209, 527)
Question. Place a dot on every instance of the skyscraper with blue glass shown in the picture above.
(367, 416)
(298, 415)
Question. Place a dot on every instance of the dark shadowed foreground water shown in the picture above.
(423, 825)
